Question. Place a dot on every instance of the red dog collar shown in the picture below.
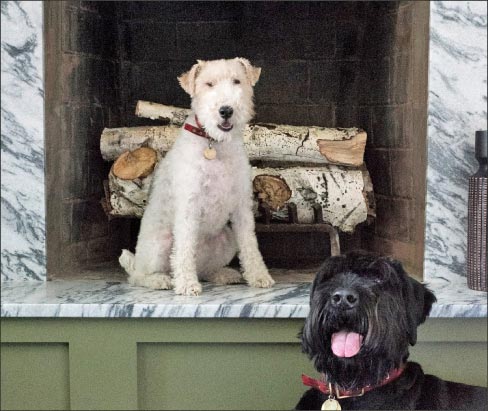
(327, 387)
(198, 129)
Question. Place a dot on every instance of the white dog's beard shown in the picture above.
(225, 126)
(222, 136)
(234, 126)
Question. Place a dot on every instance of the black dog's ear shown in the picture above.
(419, 301)
(429, 300)
(331, 266)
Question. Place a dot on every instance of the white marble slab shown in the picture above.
(457, 108)
(99, 298)
(23, 214)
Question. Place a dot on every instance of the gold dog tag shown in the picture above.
(331, 404)
(210, 153)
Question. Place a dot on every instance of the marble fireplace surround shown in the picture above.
(24, 293)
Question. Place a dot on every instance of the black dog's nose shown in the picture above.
(345, 298)
(226, 112)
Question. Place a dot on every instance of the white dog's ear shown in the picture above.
(252, 72)
(187, 80)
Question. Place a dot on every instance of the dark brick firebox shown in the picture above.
(335, 64)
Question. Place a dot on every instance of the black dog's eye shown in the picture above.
(209, 84)
(236, 81)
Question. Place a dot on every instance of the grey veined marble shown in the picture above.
(99, 298)
(23, 216)
(457, 108)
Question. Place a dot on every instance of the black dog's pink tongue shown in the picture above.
(346, 343)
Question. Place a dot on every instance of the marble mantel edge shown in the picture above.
(116, 299)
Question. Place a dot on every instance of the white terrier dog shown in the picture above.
(199, 212)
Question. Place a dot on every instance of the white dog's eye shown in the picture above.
(236, 81)
(209, 84)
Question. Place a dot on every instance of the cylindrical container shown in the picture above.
(477, 217)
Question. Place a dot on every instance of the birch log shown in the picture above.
(169, 114)
(265, 142)
(340, 191)
(320, 145)
(344, 146)
(116, 141)
(128, 197)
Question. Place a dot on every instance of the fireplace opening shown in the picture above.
(330, 64)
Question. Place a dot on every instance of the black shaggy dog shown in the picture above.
(364, 314)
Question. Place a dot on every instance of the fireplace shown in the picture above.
(332, 64)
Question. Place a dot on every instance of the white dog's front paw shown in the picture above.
(156, 281)
(259, 280)
(224, 276)
(191, 287)
(159, 281)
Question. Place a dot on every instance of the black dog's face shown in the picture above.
(364, 313)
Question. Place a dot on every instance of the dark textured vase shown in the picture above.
(477, 217)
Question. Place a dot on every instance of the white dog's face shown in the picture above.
(222, 95)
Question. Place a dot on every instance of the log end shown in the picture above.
(272, 191)
(135, 164)
(350, 152)
(138, 108)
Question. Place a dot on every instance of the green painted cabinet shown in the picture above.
(214, 364)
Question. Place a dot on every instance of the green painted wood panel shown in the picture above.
(461, 362)
(34, 376)
(110, 364)
(220, 377)
(103, 373)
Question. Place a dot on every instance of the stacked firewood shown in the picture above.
(291, 164)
